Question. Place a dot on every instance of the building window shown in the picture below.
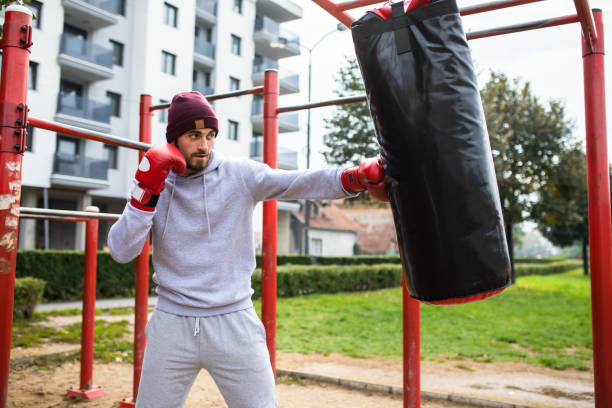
(115, 103)
(32, 75)
(232, 133)
(121, 7)
(234, 84)
(35, 7)
(110, 154)
(168, 62)
(238, 6)
(29, 138)
(117, 52)
(163, 113)
(317, 246)
(236, 44)
(170, 13)
(67, 146)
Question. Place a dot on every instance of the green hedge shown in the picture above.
(539, 260)
(28, 293)
(62, 271)
(303, 280)
(546, 268)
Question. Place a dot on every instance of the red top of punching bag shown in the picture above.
(385, 11)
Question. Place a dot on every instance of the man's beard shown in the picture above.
(198, 165)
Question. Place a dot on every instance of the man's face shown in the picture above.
(196, 145)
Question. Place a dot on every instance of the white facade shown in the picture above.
(327, 242)
(74, 76)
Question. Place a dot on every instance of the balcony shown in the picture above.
(289, 81)
(204, 53)
(84, 61)
(287, 122)
(206, 12)
(279, 10)
(287, 158)
(203, 89)
(92, 14)
(78, 111)
(268, 32)
(79, 172)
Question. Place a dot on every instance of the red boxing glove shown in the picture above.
(368, 176)
(152, 173)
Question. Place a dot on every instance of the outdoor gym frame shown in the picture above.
(13, 117)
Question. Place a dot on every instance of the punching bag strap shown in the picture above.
(402, 34)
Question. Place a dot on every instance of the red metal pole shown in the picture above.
(268, 253)
(86, 388)
(332, 9)
(599, 213)
(142, 269)
(412, 349)
(16, 43)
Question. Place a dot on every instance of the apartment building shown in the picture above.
(92, 59)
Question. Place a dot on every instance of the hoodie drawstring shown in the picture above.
(196, 328)
(169, 206)
(206, 205)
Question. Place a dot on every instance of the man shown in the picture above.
(199, 206)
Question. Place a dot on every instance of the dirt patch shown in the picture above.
(516, 383)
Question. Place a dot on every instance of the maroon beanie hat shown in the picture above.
(188, 111)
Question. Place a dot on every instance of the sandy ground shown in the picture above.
(516, 383)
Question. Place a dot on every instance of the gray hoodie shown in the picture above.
(203, 252)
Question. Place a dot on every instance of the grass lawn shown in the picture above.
(543, 320)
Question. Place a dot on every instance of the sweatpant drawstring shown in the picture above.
(196, 328)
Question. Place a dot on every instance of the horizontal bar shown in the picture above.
(493, 5)
(214, 97)
(67, 213)
(340, 101)
(586, 20)
(87, 134)
(348, 5)
(332, 9)
(50, 218)
(550, 22)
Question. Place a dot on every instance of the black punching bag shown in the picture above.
(439, 172)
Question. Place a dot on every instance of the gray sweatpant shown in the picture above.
(231, 347)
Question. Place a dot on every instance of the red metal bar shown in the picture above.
(493, 5)
(87, 134)
(268, 252)
(332, 9)
(586, 22)
(142, 269)
(599, 213)
(16, 43)
(352, 4)
(550, 22)
(214, 97)
(339, 101)
(412, 349)
(86, 388)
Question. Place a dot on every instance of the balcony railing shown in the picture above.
(287, 158)
(71, 104)
(261, 63)
(112, 6)
(77, 47)
(205, 48)
(209, 6)
(203, 89)
(80, 166)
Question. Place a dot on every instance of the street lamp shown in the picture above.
(281, 43)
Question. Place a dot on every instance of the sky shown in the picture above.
(549, 58)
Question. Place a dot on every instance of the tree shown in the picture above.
(561, 213)
(527, 138)
(351, 136)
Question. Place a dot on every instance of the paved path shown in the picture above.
(100, 304)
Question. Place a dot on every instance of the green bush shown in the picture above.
(303, 280)
(546, 268)
(287, 260)
(28, 293)
(357, 260)
(539, 260)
